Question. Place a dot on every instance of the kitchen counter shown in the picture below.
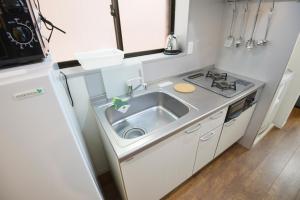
(201, 103)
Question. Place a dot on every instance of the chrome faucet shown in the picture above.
(131, 88)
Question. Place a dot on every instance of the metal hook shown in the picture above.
(273, 5)
(235, 6)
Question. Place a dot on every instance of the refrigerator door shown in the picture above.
(69, 113)
(40, 154)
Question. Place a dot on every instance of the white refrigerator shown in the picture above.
(42, 152)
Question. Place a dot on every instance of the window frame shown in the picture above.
(114, 10)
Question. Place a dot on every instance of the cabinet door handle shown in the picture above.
(208, 136)
(217, 116)
(230, 123)
(195, 129)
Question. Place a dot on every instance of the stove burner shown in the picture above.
(242, 82)
(224, 85)
(216, 76)
(219, 82)
(195, 76)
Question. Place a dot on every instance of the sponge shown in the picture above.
(120, 104)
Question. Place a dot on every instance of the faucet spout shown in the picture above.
(131, 89)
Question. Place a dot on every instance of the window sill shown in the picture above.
(79, 71)
(153, 58)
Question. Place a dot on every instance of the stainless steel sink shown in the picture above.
(146, 113)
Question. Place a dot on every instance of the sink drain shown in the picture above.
(133, 133)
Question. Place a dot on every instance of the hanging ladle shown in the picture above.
(265, 41)
(251, 42)
(230, 39)
(243, 27)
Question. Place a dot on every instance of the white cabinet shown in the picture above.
(207, 148)
(234, 130)
(155, 172)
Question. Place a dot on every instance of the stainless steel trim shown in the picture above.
(181, 100)
(217, 116)
(206, 102)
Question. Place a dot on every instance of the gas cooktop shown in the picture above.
(218, 82)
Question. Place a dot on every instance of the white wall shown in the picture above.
(264, 63)
(204, 30)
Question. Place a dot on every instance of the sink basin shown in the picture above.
(146, 113)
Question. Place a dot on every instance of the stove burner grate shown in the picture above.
(216, 76)
(243, 82)
(195, 76)
(224, 85)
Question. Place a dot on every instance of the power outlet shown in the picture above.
(190, 48)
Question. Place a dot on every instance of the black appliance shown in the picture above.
(237, 108)
(20, 39)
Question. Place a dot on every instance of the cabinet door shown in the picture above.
(155, 172)
(234, 130)
(207, 148)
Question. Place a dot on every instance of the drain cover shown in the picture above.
(133, 133)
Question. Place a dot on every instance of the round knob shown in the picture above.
(21, 34)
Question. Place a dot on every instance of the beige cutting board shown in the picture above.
(184, 87)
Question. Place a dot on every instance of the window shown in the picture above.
(142, 26)
(138, 27)
(88, 25)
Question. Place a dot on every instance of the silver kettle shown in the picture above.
(171, 45)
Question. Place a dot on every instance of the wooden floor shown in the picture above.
(270, 170)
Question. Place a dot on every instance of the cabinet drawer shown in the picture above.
(209, 123)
